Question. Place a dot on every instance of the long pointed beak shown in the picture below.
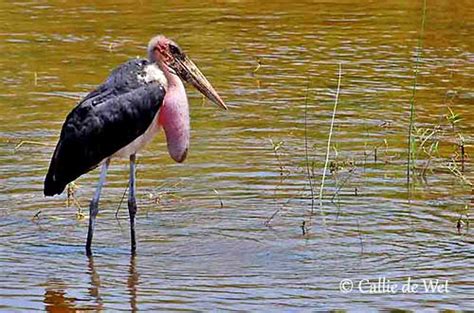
(191, 74)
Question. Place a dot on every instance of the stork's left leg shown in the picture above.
(94, 207)
(132, 203)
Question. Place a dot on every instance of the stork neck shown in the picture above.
(174, 82)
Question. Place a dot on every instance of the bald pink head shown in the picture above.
(159, 49)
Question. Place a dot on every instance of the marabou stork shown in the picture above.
(122, 115)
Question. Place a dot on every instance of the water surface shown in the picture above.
(203, 238)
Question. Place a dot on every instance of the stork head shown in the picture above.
(166, 52)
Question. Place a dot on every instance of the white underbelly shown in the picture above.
(139, 142)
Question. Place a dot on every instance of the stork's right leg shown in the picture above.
(132, 204)
(94, 207)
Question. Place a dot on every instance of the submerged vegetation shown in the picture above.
(440, 150)
(433, 149)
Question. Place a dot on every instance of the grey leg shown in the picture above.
(94, 207)
(132, 203)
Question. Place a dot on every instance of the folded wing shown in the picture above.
(106, 120)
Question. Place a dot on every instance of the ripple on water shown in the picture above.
(224, 230)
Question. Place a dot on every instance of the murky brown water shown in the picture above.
(193, 252)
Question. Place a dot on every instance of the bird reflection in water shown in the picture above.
(94, 286)
(56, 299)
(132, 283)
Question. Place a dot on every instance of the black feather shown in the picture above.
(106, 120)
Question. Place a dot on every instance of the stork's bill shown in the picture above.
(169, 54)
(190, 73)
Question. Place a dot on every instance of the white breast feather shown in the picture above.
(153, 74)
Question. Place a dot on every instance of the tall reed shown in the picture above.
(411, 144)
(321, 189)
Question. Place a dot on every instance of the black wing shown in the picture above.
(106, 120)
